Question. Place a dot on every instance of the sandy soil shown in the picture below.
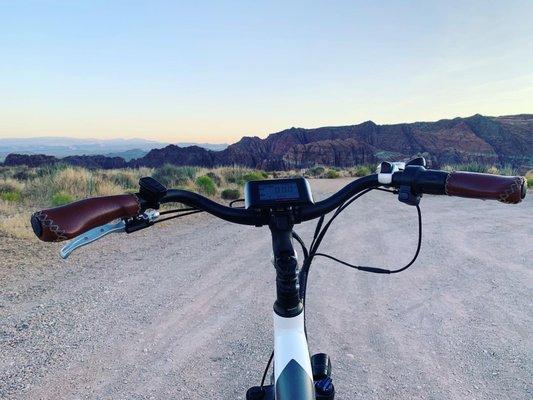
(183, 311)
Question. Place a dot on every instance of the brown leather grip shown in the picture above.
(507, 189)
(68, 221)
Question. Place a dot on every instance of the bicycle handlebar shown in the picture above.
(71, 220)
(68, 221)
(507, 189)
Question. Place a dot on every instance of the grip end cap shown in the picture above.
(36, 226)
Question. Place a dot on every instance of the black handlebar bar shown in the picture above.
(195, 200)
(69, 221)
(253, 217)
(417, 179)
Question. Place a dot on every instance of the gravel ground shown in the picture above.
(183, 311)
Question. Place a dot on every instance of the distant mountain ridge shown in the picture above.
(65, 146)
(505, 140)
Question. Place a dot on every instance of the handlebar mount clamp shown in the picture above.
(151, 192)
(407, 192)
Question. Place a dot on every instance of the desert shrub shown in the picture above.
(215, 178)
(470, 167)
(361, 170)
(12, 196)
(508, 170)
(81, 183)
(17, 226)
(480, 168)
(529, 178)
(50, 170)
(60, 198)
(206, 185)
(231, 174)
(254, 176)
(230, 194)
(316, 171)
(10, 185)
(10, 190)
(331, 174)
(23, 173)
(240, 176)
(126, 178)
(172, 175)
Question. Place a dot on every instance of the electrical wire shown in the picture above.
(177, 210)
(383, 270)
(236, 201)
(266, 370)
(178, 216)
(300, 240)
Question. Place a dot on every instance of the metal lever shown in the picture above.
(147, 218)
(90, 236)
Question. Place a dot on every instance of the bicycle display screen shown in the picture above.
(277, 192)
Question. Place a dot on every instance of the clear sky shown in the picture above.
(215, 71)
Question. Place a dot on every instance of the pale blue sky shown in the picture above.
(215, 71)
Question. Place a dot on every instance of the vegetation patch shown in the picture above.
(206, 185)
(230, 194)
(23, 189)
(173, 176)
(61, 198)
(332, 174)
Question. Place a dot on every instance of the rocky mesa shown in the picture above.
(506, 140)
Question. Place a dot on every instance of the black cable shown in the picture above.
(235, 201)
(176, 210)
(266, 370)
(300, 240)
(383, 270)
(178, 216)
(316, 243)
(317, 230)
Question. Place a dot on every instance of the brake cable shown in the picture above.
(180, 212)
(301, 242)
(383, 270)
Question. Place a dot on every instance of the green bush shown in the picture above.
(12, 196)
(172, 175)
(316, 171)
(50, 170)
(60, 198)
(217, 179)
(240, 176)
(362, 170)
(529, 182)
(230, 194)
(206, 185)
(254, 176)
(331, 174)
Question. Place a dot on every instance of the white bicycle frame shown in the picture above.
(292, 366)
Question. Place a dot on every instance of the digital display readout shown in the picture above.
(279, 191)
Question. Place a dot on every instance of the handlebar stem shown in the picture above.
(288, 302)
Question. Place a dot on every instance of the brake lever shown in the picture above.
(91, 236)
(142, 221)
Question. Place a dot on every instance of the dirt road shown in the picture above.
(184, 311)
